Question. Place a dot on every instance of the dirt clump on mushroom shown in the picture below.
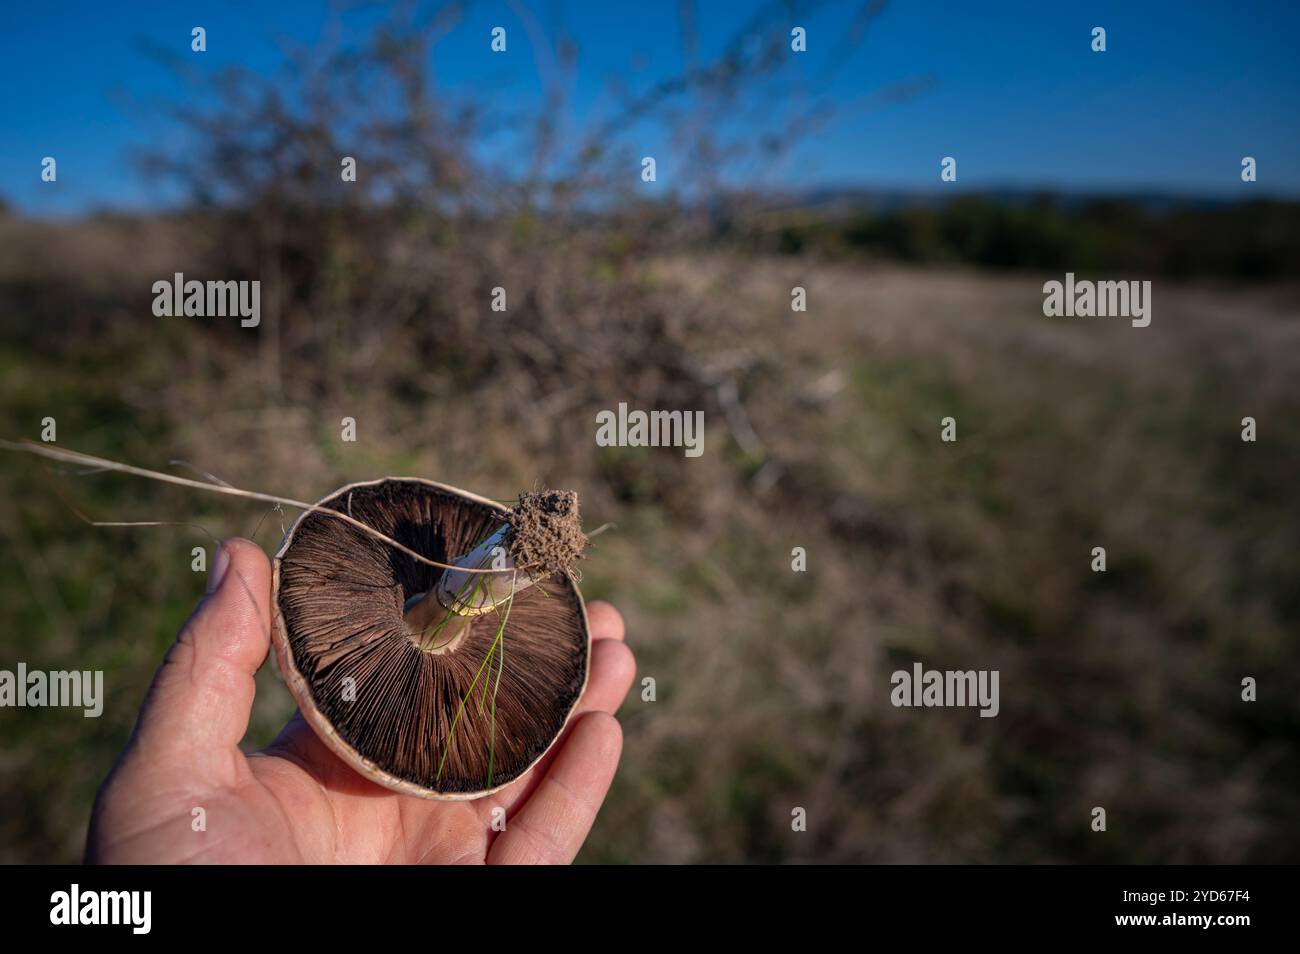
(545, 532)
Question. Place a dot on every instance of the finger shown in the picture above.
(613, 667)
(202, 695)
(605, 621)
(552, 825)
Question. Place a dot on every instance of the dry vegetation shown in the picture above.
(1119, 690)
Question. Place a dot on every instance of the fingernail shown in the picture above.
(217, 572)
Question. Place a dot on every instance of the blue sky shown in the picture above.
(1184, 90)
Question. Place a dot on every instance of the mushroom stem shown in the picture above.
(440, 618)
(456, 590)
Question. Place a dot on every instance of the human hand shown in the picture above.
(298, 802)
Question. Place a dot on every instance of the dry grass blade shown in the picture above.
(75, 457)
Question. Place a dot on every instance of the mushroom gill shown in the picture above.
(384, 704)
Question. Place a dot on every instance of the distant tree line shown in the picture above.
(1251, 240)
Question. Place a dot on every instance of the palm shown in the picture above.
(368, 823)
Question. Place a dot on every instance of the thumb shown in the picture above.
(202, 695)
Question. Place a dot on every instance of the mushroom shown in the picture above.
(441, 683)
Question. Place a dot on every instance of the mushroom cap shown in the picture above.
(381, 703)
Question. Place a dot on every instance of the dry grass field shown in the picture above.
(1119, 689)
